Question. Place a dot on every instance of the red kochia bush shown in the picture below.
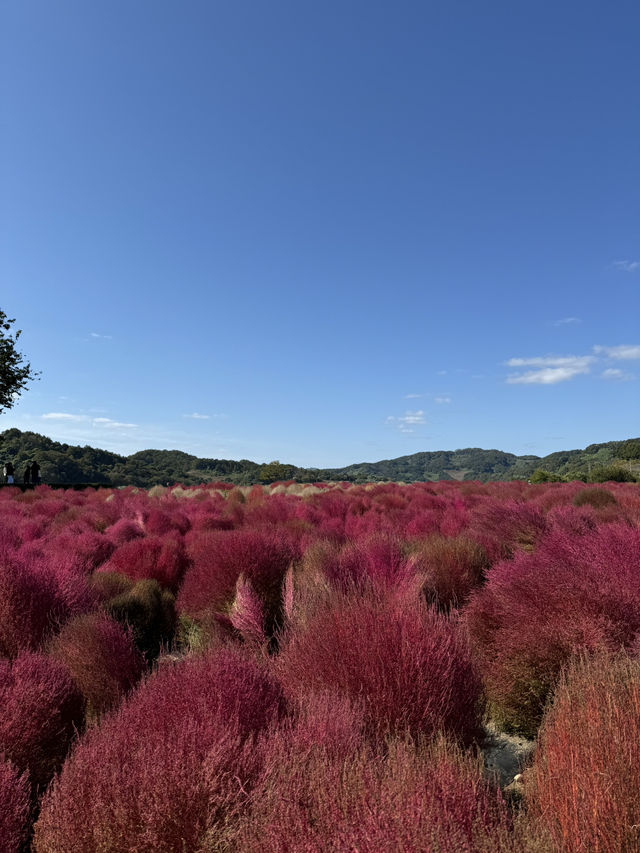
(124, 530)
(40, 711)
(584, 785)
(574, 593)
(36, 598)
(101, 657)
(451, 568)
(419, 800)
(410, 666)
(169, 768)
(152, 558)
(503, 528)
(378, 560)
(14, 807)
(220, 557)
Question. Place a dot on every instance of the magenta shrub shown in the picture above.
(37, 597)
(378, 560)
(14, 807)
(573, 594)
(219, 558)
(101, 657)
(420, 800)
(450, 568)
(506, 527)
(124, 530)
(170, 768)
(163, 559)
(40, 711)
(410, 666)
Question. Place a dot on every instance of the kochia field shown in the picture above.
(315, 668)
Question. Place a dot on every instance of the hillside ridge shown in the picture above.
(64, 463)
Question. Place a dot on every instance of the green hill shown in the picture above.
(64, 463)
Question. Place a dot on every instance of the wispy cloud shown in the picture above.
(67, 417)
(96, 335)
(567, 321)
(111, 424)
(616, 375)
(549, 370)
(442, 400)
(63, 416)
(627, 266)
(408, 421)
(413, 396)
(196, 416)
(624, 351)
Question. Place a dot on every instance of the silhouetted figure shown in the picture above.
(8, 472)
(35, 473)
(26, 477)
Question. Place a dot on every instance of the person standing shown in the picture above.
(26, 477)
(8, 472)
(35, 473)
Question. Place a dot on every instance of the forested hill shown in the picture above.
(63, 463)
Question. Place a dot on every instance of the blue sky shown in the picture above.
(323, 232)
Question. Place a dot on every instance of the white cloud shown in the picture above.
(627, 266)
(111, 424)
(624, 351)
(567, 321)
(413, 396)
(614, 373)
(545, 376)
(196, 416)
(569, 361)
(549, 369)
(63, 416)
(105, 337)
(442, 400)
(407, 422)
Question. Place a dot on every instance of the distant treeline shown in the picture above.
(64, 463)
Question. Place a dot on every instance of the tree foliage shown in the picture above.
(15, 372)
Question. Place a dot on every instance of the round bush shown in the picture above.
(451, 568)
(573, 594)
(41, 710)
(101, 657)
(220, 557)
(410, 666)
(408, 799)
(162, 559)
(584, 786)
(14, 807)
(170, 768)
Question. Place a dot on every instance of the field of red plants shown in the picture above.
(314, 668)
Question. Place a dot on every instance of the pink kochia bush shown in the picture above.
(584, 786)
(450, 567)
(170, 768)
(40, 710)
(573, 594)
(101, 656)
(14, 807)
(420, 799)
(160, 558)
(36, 597)
(220, 557)
(409, 666)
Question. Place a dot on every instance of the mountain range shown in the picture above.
(64, 463)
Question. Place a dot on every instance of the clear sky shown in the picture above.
(323, 232)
